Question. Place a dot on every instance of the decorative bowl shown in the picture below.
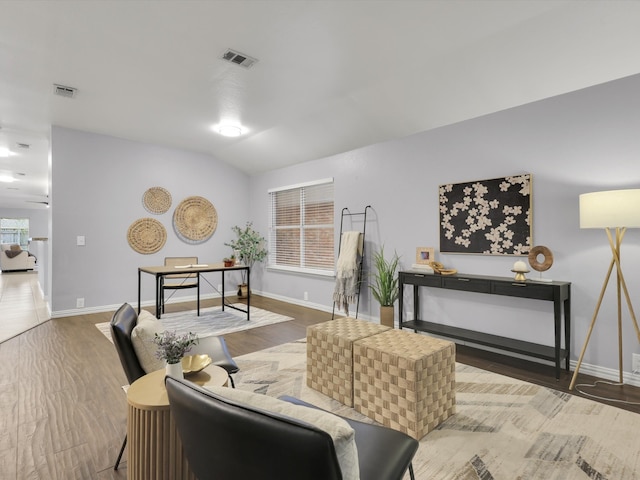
(195, 363)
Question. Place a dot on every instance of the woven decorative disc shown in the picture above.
(156, 200)
(195, 219)
(546, 254)
(146, 235)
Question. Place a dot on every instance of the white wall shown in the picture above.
(98, 183)
(576, 143)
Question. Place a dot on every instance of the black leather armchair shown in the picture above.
(124, 321)
(122, 324)
(226, 439)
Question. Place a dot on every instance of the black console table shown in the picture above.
(557, 292)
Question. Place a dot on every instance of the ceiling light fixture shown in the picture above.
(229, 130)
(6, 178)
(4, 152)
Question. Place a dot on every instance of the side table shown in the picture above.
(154, 448)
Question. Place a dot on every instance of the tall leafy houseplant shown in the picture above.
(384, 286)
(249, 246)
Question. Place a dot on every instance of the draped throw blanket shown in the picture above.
(348, 270)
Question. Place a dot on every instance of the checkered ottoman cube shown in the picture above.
(405, 380)
(330, 355)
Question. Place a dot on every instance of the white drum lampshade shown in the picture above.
(612, 208)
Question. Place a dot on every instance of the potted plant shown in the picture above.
(229, 261)
(249, 247)
(171, 349)
(384, 287)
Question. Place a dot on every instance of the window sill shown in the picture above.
(305, 271)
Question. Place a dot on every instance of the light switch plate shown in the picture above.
(80, 241)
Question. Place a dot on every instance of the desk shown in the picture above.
(154, 450)
(557, 292)
(160, 272)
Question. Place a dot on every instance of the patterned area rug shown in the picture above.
(213, 321)
(503, 429)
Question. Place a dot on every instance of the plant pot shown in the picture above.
(386, 315)
(229, 263)
(242, 290)
(174, 370)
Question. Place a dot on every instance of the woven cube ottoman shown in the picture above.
(330, 355)
(405, 380)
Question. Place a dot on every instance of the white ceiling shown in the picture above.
(332, 75)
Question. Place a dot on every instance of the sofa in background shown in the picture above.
(13, 258)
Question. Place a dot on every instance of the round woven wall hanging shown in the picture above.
(146, 235)
(156, 200)
(195, 219)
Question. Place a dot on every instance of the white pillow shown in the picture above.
(341, 432)
(142, 337)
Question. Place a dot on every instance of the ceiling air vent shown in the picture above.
(23, 145)
(238, 58)
(64, 91)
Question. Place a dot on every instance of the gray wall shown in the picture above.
(572, 144)
(98, 184)
(576, 143)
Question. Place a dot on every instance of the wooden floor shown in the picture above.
(63, 412)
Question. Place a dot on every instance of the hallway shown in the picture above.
(21, 303)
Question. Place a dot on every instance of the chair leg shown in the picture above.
(124, 444)
(411, 471)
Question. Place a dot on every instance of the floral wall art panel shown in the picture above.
(488, 217)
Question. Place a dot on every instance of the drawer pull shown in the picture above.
(463, 279)
(419, 275)
(519, 284)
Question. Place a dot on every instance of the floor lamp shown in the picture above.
(619, 210)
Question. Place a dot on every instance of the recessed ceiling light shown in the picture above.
(6, 178)
(229, 130)
(4, 152)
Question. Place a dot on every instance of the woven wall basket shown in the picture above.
(195, 219)
(156, 200)
(146, 236)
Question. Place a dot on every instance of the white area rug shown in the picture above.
(504, 429)
(213, 321)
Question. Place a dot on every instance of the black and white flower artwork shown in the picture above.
(488, 217)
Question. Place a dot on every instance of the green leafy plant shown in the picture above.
(249, 246)
(172, 347)
(385, 282)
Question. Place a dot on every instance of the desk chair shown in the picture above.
(123, 322)
(232, 439)
(180, 281)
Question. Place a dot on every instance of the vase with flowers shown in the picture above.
(171, 349)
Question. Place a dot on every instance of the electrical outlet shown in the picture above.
(306, 296)
(219, 287)
(79, 302)
(635, 363)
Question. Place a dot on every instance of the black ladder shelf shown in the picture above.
(346, 213)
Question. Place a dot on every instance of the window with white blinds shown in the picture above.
(301, 227)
